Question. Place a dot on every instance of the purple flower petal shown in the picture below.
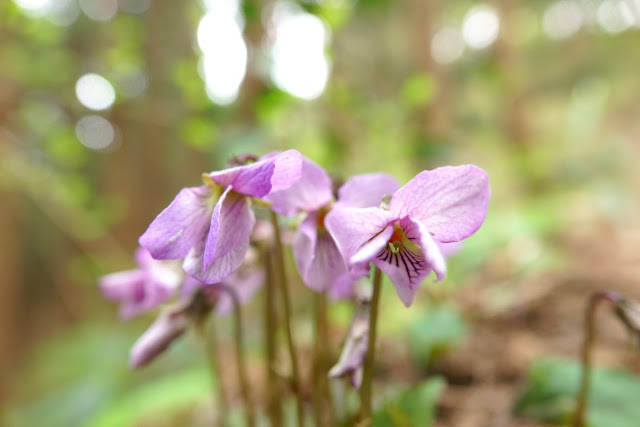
(317, 257)
(370, 249)
(304, 244)
(177, 228)
(414, 257)
(344, 286)
(364, 191)
(141, 289)
(258, 179)
(288, 170)
(231, 224)
(353, 227)
(220, 267)
(450, 201)
(310, 193)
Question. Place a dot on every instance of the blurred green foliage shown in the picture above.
(551, 387)
(552, 120)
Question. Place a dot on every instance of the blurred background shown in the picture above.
(109, 107)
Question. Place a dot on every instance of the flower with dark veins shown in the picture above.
(317, 257)
(444, 205)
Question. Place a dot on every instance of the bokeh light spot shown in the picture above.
(95, 132)
(99, 10)
(480, 27)
(562, 19)
(95, 92)
(447, 45)
(224, 61)
(300, 66)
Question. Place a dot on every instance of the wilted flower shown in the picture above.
(143, 288)
(172, 322)
(319, 261)
(355, 345)
(444, 205)
(209, 226)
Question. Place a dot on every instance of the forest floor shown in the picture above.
(487, 371)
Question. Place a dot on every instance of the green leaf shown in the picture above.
(551, 387)
(437, 330)
(413, 407)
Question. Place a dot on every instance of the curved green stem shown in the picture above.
(286, 304)
(367, 374)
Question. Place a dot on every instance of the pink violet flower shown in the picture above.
(209, 226)
(443, 205)
(143, 288)
(317, 257)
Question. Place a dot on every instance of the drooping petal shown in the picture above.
(450, 201)
(327, 265)
(366, 190)
(163, 331)
(317, 257)
(258, 179)
(311, 192)
(353, 227)
(220, 267)
(231, 224)
(304, 244)
(412, 261)
(177, 228)
(288, 170)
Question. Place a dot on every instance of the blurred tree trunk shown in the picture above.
(433, 120)
(151, 146)
(509, 60)
(10, 279)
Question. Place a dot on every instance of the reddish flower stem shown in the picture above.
(219, 394)
(240, 355)
(286, 305)
(367, 375)
(274, 407)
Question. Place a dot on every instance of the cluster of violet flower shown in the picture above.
(200, 252)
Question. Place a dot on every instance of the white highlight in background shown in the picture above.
(614, 16)
(480, 27)
(224, 62)
(95, 132)
(297, 49)
(563, 19)
(95, 92)
(447, 45)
